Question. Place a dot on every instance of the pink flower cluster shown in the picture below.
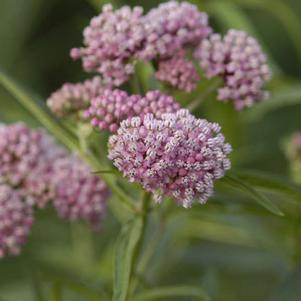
(79, 195)
(34, 170)
(111, 40)
(72, 98)
(239, 59)
(115, 40)
(172, 26)
(176, 155)
(178, 72)
(110, 108)
(26, 161)
(16, 218)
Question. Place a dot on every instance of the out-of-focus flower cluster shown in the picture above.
(179, 72)
(239, 60)
(26, 161)
(16, 218)
(34, 170)
(73, 98)
(79, 195)
(110, 108)
(176, 155)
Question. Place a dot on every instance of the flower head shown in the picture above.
(26, 161)
(111, 40)
(176, 155)
(79, 195)
(73, 98)
(178, 72)
(16, 218)
(172, 26)
(112, 106)
(239, 59)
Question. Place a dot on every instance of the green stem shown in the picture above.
(144, 210)
(56, 292)
(211, 88)
(135, 84)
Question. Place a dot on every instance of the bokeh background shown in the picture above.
(232, 247)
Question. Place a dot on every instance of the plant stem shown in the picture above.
(144, 210)
(56, 292)
(197, 101)
(135, 84)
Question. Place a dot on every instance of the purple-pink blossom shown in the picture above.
(239, 60)
(16, 218)
(178, 72)
(176, 155)
(115, 40)
(26, 160)
(171, 27)
(110, 108)
(110, 41)
(73, 98)
(78, 194)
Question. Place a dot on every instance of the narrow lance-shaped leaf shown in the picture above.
(172, 292)
(124, 257)
(261, 199)
(268, 182)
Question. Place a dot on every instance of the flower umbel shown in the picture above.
(178, 72)
(26, 161)
(73, 98)
(239, 59)
(112, 106)
(79, 195)
(111, 40)
(176, 155)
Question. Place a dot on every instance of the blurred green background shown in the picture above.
(231, 247)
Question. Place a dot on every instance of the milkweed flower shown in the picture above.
(115, 40)
(178, 72)
(110, 108)
(110, 41)
(78, 194)
(239, 60)
(16, 218)
(172, 26)
(26, 161)
(73, 98)
(176, 155)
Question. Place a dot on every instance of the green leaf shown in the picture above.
(290, 290)
(261, 199)
(171, 292)
(271, 183)
(289, 97)
(124, 257)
